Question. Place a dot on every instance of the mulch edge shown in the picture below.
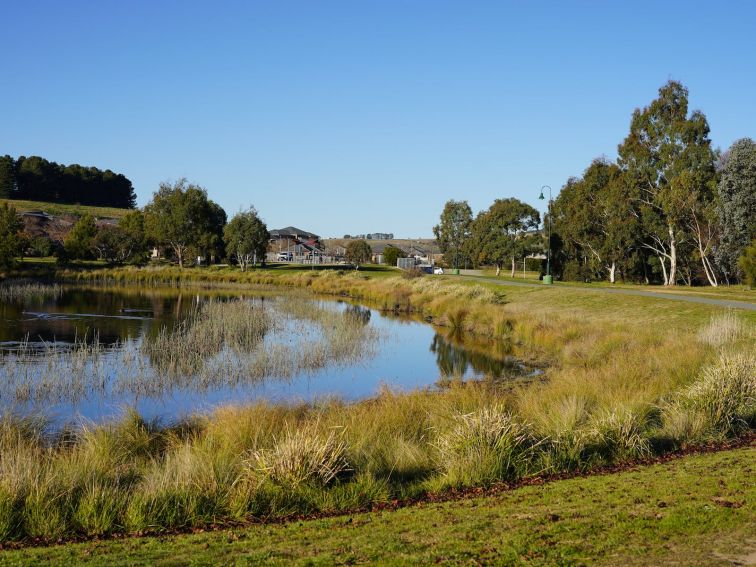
(450, 495)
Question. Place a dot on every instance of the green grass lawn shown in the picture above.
(57, 209)
(696, 510)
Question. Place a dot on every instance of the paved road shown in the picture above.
(621, 291)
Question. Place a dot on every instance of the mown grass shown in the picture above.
(697, 510)
(627, 378)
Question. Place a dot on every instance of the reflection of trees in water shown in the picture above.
(358, 313)
(455, 355)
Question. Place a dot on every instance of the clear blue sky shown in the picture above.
(360, 116)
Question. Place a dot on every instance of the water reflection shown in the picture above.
(168, 351)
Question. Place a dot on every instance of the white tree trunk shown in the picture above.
(513, 266)
(663, 263)
(498, 269)
(612, 272)
(672, 257)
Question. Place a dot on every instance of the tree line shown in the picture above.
(501, 235)
(180, 220)
(671, 209)
(37, 179)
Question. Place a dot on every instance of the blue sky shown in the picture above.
(360, 116)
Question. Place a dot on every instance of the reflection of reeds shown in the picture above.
(18, 290)
(220, 344)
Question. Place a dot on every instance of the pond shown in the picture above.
(88, 352)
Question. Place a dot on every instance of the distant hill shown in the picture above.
(58, 209)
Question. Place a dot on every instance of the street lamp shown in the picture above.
(547, 279)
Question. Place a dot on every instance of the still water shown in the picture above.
(89, 352)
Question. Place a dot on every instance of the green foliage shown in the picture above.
(7, 177)
(79, 244)
(36, 178)
(246, 238)
(505, 232)
(358, 252)
(391, 254)
(181, 216)
(594, 217)
(11, 242)
(454, 231)
(747, 263)
(40, 246)
(737, 206)
(669, 167)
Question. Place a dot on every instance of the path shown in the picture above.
(622, 291)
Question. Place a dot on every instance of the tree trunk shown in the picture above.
(672, 257)
(498, 269)
(612, 272)
(513, 267)
(663, 263)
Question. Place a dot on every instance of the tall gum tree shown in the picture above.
(181, 216)
(669, 164)
(594, 216)
(505, 232)
(453, 231)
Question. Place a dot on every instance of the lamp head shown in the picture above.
(541, 197)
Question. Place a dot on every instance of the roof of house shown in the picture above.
(292, 231)
(380, 247)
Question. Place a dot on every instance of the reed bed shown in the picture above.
(221, 344)
(21, 290)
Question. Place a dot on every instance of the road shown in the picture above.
(622, 291)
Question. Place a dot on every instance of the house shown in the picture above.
(378, 250)
(296, 243)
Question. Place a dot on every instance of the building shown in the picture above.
(295, 243)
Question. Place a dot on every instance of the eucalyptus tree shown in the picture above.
(79, 243)
(736, 205)
(358, 252)
(182, 217)
(669, 163)
(246, 237)
(505, 232)
(594, 216)
(453, 231)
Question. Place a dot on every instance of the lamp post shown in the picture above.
(547, 279)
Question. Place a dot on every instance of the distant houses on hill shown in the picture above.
(370, 236)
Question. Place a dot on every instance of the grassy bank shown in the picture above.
(628, 377)
(59, 209)
(691, 511)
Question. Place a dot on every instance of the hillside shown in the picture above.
(57, 209)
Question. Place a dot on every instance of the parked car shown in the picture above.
(285, 257)
(438, 271)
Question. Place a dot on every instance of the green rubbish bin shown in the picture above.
(548, 280)
(456, 271)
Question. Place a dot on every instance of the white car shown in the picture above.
(438, 271)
